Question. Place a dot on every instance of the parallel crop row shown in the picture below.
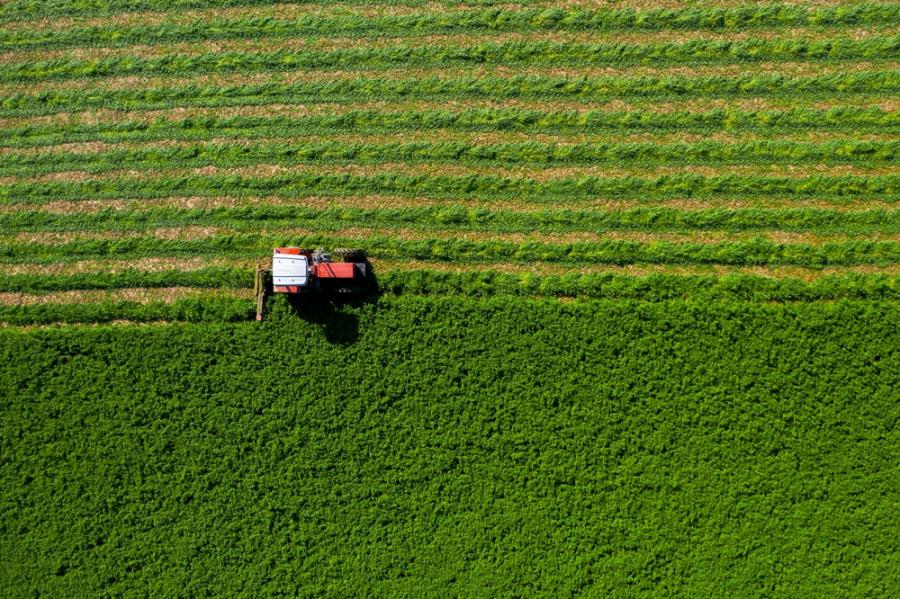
(481, 283)
(654, 287)
(883, 187)
(497, 88)
(467, 21)
(528, 153)
(517, 53)
(649, 288)
(207, 309)
(252, 218)
(847, 119)
(253, 245)
(211, 277)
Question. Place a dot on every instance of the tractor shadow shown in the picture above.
(339, 324)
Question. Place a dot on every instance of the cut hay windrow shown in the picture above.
(659, 284)
(855, 120)
(450, 218)
(201, 278)
(520, 53)
(297, 113)
(388, 201)
(460, 153)
(789, 69)
(484, 187)
(756, 251)
(533, 173)
(139, 295)
(473, 21)
(445, 40)
(366, 88)
(190, 305)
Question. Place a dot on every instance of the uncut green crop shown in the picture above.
(484, 447)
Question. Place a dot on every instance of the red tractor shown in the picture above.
(302, 272)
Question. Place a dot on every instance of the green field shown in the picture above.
(633, 328)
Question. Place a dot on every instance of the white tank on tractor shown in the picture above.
(297, 271)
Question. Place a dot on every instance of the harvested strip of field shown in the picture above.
(138, 295)
(375, 232)
(518, 86)
(860, 154)
(331, 44)
(472, 186)
(637, 108)
(525, 175)
(147, 264)
(514, 53)
(395, 202)
(90, 270)
(661, 13)
(249, 140)
(402, 73)
(474, 125)
(66, 247)
(447, 219)
(633, 282)
(650, 287)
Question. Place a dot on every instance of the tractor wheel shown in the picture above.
(349, 254)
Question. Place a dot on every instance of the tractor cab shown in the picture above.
(298, 271)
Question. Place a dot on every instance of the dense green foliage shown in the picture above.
(449, 446)
(630, 329)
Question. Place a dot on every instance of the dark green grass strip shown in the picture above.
(653, 287)
(426, 446)
(837, 119)
(252, 218)
(525, 153)
(467, 21)
(586, 89)
(249, 245)
(516, 53)
(884, 187)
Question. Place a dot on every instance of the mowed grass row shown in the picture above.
(168, 303)
(536, 154)
(476, 20)
(190, 242)
(451, 187)
(844, 119)
(587, 89)
(517, 53)
(456, 218)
